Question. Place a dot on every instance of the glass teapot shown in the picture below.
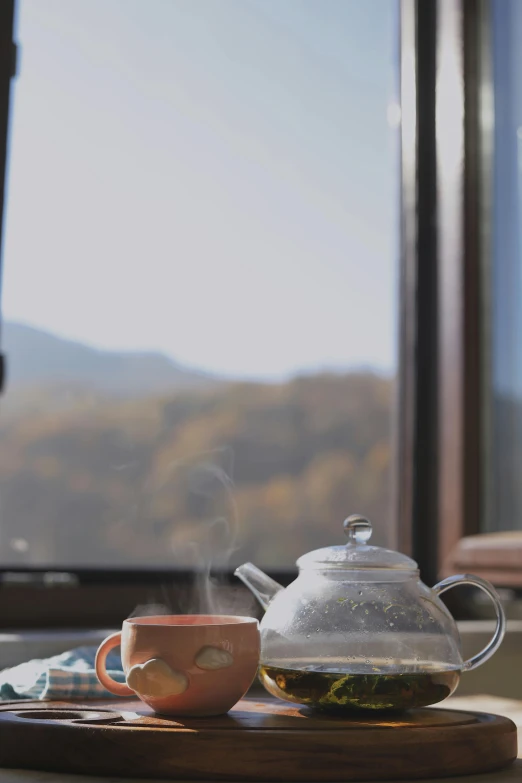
(358, 629)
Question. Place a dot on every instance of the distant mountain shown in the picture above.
(36, 358)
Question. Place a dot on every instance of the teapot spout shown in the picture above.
(262, 586)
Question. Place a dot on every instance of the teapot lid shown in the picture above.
(357, 553)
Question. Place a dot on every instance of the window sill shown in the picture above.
(19, 646)
(500, 676)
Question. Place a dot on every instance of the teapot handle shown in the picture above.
(500, 630)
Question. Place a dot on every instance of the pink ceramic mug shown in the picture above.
(184, 664)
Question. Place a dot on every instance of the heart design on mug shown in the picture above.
(156, 678)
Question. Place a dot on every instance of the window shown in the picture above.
(505, 368)
(200, 284)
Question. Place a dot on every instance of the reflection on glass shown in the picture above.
(200, 280)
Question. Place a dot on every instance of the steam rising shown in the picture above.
(205, 542)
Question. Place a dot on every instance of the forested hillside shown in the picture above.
(269, 471)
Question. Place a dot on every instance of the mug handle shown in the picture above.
(108, 644)
(500, 630)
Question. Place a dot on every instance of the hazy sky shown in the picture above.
(215, 179)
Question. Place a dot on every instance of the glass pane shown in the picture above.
(505, 512)
(200, 281)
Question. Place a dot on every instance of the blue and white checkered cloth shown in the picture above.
(70, 675)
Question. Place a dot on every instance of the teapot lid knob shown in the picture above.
(358, 529)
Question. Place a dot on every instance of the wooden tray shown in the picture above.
(259, 740)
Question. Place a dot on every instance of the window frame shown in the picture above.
(8, 63)
(444, 342)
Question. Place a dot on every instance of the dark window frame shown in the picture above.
(8, 60)
(443, 430)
